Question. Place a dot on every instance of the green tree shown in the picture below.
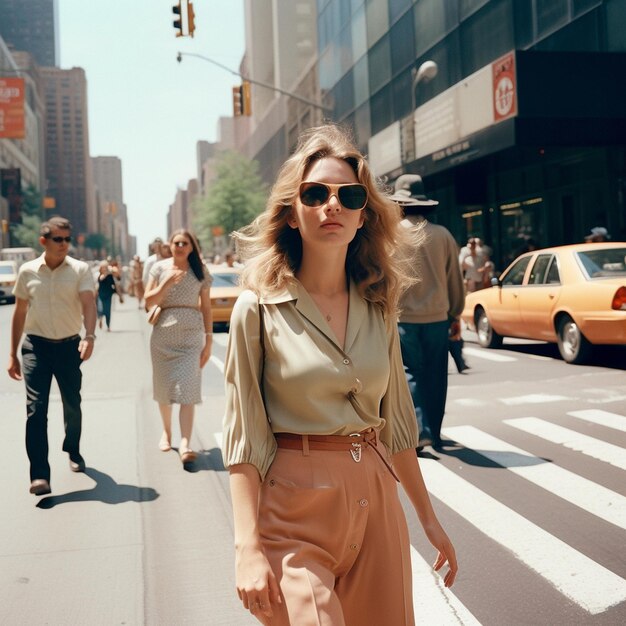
(96, 242)
(27, 233)
(233, 200)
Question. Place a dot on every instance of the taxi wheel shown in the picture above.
(573, 345)
(487, 336)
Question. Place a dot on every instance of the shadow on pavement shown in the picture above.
(509, 459)
(601, 356)
(207, 461)
(106, 490)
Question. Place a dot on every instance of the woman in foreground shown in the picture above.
(319, 421)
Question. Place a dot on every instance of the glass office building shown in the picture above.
(522, 131)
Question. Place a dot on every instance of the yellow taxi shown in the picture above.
(572, 295)
(225, 290)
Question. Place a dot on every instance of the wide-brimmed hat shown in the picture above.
(598, 231)
(409, 191)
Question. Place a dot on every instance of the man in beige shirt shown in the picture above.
(54, 296)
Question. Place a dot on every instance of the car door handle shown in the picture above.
(551, 296)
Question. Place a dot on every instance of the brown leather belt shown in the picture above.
(324, 442)
(352, 443)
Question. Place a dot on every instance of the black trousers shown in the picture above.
(41, 360)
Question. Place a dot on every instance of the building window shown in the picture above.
(487, 35)
(377, 18)
(379, 64)
(381, 111)
(550, 15)
(359, 34)
(402, 44)
(397, 8)
(434, 19)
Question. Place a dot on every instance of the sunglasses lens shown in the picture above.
(353, 196)
(61, 239)
(313, 195)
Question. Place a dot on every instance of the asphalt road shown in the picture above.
(531, 490)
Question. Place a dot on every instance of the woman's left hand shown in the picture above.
(206, 351)
(438, 538)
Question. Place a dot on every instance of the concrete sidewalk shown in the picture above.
(133, 540)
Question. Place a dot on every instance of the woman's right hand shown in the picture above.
(256, 584)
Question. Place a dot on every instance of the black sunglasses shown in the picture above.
(352, 196)
(61, 239)
(180, 244)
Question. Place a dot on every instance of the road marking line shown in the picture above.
(533, 398)
(471, 402)
(589, 496)
(430, 596)
(218, 439)
(219, 364)
(221, 339)
(589, 446)
(489, 356)
(603, 418)
(573, 574)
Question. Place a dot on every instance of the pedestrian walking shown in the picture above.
(316, 430)
(155, 248)
(472, 261)
(136, 279)
(106, 287)
(180, 345)
(430, 309)
(54, 298)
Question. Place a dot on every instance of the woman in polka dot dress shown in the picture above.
(181, 340)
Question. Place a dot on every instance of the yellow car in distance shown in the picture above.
(225, 290)
(573, 295)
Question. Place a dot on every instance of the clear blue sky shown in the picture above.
(145, 107)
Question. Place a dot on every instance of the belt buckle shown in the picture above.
(356, 449)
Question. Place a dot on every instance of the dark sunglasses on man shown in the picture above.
(352, 196)
(60, 239)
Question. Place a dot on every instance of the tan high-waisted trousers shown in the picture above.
(336, 537)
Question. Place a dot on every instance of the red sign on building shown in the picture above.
(12, 108)
(504, 88)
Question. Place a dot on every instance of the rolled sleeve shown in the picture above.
(400, 430)
(247, 435)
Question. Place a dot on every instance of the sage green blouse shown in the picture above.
(299, 380)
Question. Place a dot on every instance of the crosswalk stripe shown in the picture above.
(221, 339)
(488, 355)
(533, 398)
(603, 418)
(218, 439)
(571, 439)
(573, 574)
(217, 362)
(589, 496)
(431, 597)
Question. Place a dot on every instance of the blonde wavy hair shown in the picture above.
(377, 259)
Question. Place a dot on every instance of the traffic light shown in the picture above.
(242, 103)
(191, 25)
(237, 110)
(178, 22)
(246, 100)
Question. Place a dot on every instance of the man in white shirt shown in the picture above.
(54, 297)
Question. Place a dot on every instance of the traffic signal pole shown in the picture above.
(311, 103)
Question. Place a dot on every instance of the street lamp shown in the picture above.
(425, 72)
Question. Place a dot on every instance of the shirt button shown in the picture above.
(354, 546)
(357, 387)
(363, 502)
(346, 361)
